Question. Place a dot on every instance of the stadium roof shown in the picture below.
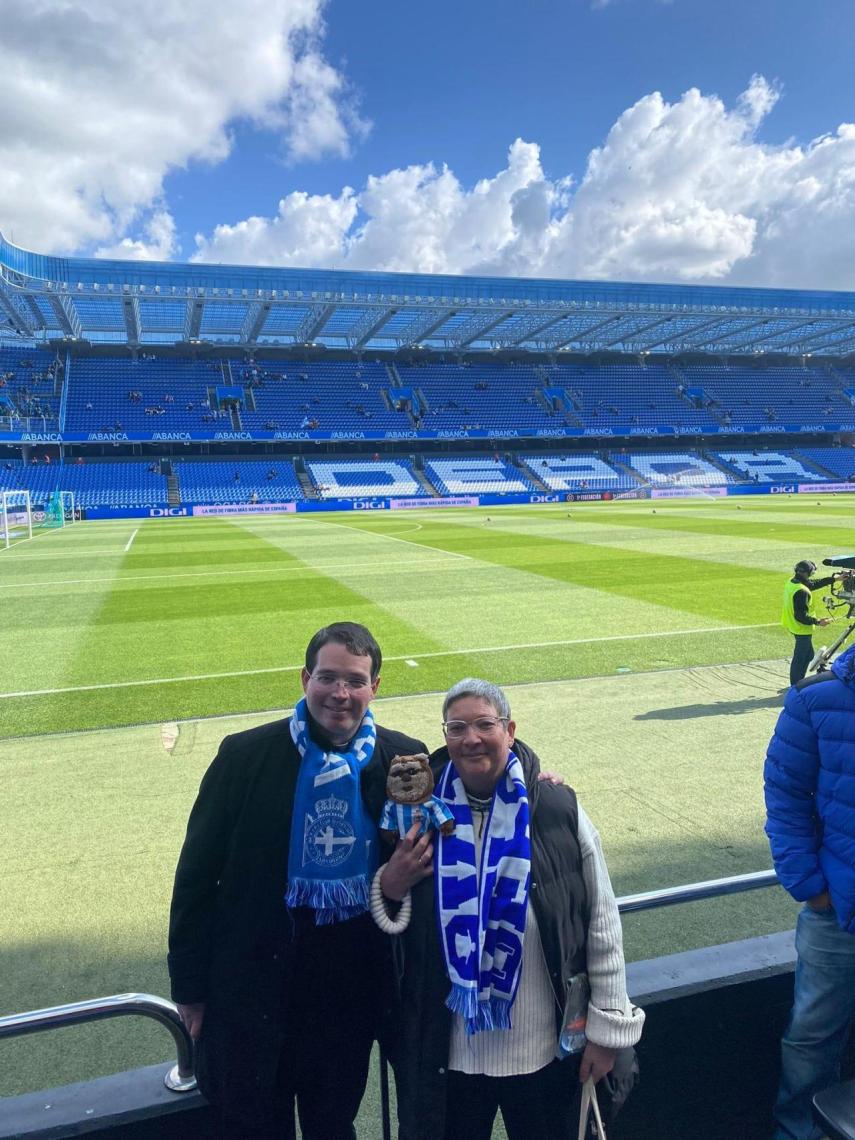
(151, 303)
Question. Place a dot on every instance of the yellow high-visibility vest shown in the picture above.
(788, 613)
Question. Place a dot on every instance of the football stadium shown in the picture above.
(590, 493)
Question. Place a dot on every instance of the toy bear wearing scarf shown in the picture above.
(410, 800)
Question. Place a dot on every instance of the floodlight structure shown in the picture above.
(16, 517)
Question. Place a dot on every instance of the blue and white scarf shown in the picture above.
(333, 850)
(482, 917)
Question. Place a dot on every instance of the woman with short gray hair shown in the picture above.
(518, 937)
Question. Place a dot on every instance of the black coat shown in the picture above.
(231, 938)
(559, 900)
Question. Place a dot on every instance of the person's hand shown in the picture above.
(820, 902)
(597, 1060)
(192, 1015)
(824, 621)
(411, 861)
(554, 778)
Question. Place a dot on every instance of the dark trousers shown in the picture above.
(802, 656)
(537, 1106)
(332, 1013)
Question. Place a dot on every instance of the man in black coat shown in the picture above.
(284, 1004)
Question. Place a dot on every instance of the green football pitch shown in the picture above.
(639, 643)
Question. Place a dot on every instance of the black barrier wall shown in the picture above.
(709, 1061)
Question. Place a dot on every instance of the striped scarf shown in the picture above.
(482, 917)
(333, 849)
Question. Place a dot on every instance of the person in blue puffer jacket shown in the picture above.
(810, 821)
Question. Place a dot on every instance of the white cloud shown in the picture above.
(101, 100)
(308, 230)
(681, 191)
(157, 244)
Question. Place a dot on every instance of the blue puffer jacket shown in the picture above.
(810, 789)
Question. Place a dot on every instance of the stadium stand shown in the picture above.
(130, 483)
(679, 469)
(839, 462)
(126, 484)
(350, 478)
(743, 394)
(237, 481)
(30, 387)
(469, 475)
(480, 396)
(628, 394)
(343, 395)
(114, 394)
(110, 394)
(768, 467)
(576, 473)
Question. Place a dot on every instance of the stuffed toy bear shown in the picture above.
(410, 799)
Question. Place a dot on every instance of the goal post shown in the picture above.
(16, 517)
(58, 510)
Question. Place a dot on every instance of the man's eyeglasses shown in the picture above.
(353, 684)
(484, 726)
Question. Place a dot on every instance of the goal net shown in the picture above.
(16, 517)
(58, 510)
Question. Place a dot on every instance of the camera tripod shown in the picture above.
(822, 658)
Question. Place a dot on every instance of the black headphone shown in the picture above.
(805, 567)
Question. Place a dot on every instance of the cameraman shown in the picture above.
(797, 618)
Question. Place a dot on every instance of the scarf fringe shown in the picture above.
(479, 1016)
(334, 900)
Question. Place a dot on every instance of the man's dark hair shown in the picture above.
(355, 638)
(805, 568)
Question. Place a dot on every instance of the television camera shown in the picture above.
(842, 595)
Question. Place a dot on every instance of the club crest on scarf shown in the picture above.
(482, 916)
(328, 837)
(333, 849)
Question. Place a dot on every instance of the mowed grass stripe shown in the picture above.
(540, 609)
(41, 632)
(273, 692)
(835, 534)
(718, 591)
(745, 549)
(160, 631)
(130, 579)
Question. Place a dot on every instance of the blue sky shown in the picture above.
(192, 124)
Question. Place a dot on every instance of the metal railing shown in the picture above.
(180, 1077)
(692, 892)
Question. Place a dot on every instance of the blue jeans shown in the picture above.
(823, 1010)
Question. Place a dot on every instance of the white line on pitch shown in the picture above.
(82, 552)
(131, 539)
(46, 583)
(406, 541)
(431, 653)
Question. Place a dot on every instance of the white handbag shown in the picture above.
(589, 1108)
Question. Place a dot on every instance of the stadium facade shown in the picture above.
(583, 389)
(136, 303)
